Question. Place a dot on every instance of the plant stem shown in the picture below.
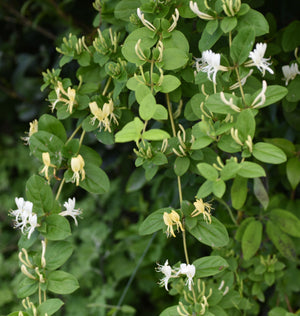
(240, 85)
(81, 138)
(133, 274)
(106, 86)
(178, 181)
(171, 114)
(228, 209)
(74, 133)
(59, 189)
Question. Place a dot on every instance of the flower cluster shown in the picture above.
(290, 72)
(258, 60)
(67, 97)
(25, 219)
(202, 208)
(210, 63)
(33, 128)
(188, 270)
(104, 115)
(171, 219)
(77, 166)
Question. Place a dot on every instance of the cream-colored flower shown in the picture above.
(167, 271)
(258, 60)
(67, 97)
(47, 164)
(25, 219)
(290, 72)
(202, 208)
(77, 166)
(104, 115)
(189, 270)
(33, 128)
(70, 210)
(171, 219)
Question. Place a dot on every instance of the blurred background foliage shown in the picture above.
(107, 244)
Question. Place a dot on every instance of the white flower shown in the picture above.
(70, 210)
(141, 16)
(24, 218)
(258, 60)
(201, 15)
(290, 72)
(189, 270)
(167, 271)
(209, 63)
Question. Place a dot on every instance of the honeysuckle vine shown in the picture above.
(189, 121)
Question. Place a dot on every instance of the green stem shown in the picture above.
(178, 181)
(59, 189)
(133, 274)
(74, 133)
(81, 138)
(171, 114)
(240, 85)
(228, 209)
(106, 86)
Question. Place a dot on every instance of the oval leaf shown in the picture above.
(208, 266)
(251, 239)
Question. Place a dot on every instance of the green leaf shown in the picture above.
(241, 229)
(156, 134)
(58, 227)
(208, 40)
(18, 313)
(147, 107)
(170, 83)
(286, 221)
(293, 94)
(282, 241)
(254, 19)
(52, 125)
(245, 124)
(27, 287)
(273, 95)
(293, 171)
(268, 153)
(219, 188)
(153, 222)
(130, 132)
(212, 26)
(40, 194)
(57, 254)
(260, 193)
(239, 192)
(50, 306)
(205, 189)
(147, 41)
(284, 144)
(216, 105)
(251, 239)
(279, 311)
(201, 142)
(160, 113)
(228, 24)
(290, 37)
(178, 40)
(213, 235)
(136, 180)
(242, 45)
(208, 266)
(125, 8)
(181, 165)
(174, 58)
(230, 170)
(60, 282)
(41, 142)
(251, 170)
(96, 180)
(171, 311)
(207, 171)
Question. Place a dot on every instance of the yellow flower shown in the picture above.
(104, 115)
(202, 208)
(170, 219)
(77, 164)
(47, 163)
(33, 128)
